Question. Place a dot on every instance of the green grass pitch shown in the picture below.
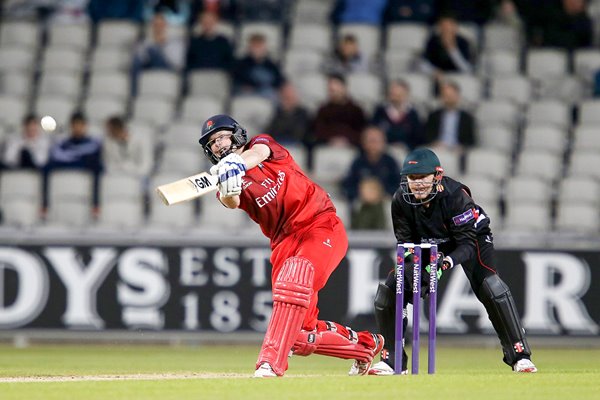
(223, 372)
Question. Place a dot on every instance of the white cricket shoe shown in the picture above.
(524, 365)
(265, 371)
(362, 367)
(382, 369)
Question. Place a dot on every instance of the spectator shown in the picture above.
(450, 126)
(116, 9)
(29, 149)
(208, 48)
(78, 151)
(225, 9)
(422, 11)
(508, 14)
(256, 73)
(359, 11)
(126, 153)
(398, 118)
(176, 12)
(339, 121)
(348, 57)
(373, 161)
(446, 50)
(567, 26)
(290, 122)
(158, 51)
(370, 212)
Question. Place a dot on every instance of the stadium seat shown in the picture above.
(109, 59)
(577, 218)
(20, 213)
(63, 84)
(60, 108)
(331, 164)
(12, 110)
(368, 36)
(98, 108)
(17, 59)
(117, 33)
(497, 63)
(311, 36)
(499, 112)
(182, 134)
(209, 83)
(70, 35)
(299, 154)
(471, 87)
(70, 195)
(421, 87)
(23, 34)
(451, 161)
(584, 163)
(182, 161)
(527, 217)
(20, 184)
(252, 112)
(483, 188)
(215, 215)
(586, 62)
(398, 62)
(366, 89)
(498, 36)
(120, 187)
(180, 216)
(109, 84)
(552, 112)
(16, 84)
(160, 84)
(568, 89)
(589, 112)
(121, 214)
(312, 11)
(407, 36)
(64, 60)
(527, 189)
(272, 32)
(516, 88)
(487, 162)
(586, 138)
(312, 89)
(546, 63)
(197, 109)
(542, 164)
(302, 61)
(153, 110)
(498, 137)
(544, 137)
(579, 190)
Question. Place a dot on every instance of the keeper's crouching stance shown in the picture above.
(433, 208)
(308, 241)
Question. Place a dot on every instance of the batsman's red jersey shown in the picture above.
(296, 214)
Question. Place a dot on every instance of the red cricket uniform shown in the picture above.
(296, 215)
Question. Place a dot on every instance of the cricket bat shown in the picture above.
(188, 188)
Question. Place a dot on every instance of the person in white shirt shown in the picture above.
(28, 149)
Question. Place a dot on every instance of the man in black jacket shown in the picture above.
(431, 208)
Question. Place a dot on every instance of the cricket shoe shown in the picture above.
(524, 365)
(383, 369)
(265, 371)
(362, 367)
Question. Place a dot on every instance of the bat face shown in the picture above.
(188, 188)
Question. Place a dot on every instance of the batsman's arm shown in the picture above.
(253, 156)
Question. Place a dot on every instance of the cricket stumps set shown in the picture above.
(416, 250)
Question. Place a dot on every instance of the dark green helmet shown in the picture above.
(421, 162)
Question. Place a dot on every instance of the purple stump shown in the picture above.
(416, 309)
(399, 345)
(433, 255)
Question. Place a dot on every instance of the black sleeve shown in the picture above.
(401, 222)
(462, 217)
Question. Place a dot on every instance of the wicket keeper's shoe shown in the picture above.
(524, 365)
(264, 371)
(382, 369)
(362, 367)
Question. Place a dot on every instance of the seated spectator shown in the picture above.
(225, 9)
(291, 120)
(566, 25)
(126, 153)
(398, 118)
(359, 11)
(347, 57)
(422, 11)
(29, 149)
(159, 51)
(208, 48)
(370, 212)
(507, 14)
(256, 73)
(176, 12)
(373, 161)
(450, 126)
(340, 120)
(116, 9)
(78, 151)
(446, 50)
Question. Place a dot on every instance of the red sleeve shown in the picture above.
(278, 152)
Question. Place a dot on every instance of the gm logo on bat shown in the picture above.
(201, 183)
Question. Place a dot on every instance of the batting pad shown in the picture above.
(291, 297)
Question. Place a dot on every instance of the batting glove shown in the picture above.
(230, 171)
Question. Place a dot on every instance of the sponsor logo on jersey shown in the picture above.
(463, 218)
(327, 242)
(273, 189)
(262, 139)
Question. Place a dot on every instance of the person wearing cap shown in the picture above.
(431, 208)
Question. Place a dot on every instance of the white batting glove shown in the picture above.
(230, 171)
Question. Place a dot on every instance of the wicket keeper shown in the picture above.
(432, 208)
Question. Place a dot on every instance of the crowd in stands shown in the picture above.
(376, 124)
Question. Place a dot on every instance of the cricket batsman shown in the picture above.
(307, 238)
(429, 207)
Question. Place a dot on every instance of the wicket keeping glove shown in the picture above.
(443, 264)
